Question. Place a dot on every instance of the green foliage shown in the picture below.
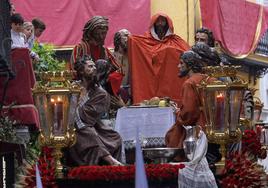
(8, 134)
(47, 61)
(7, 130)
(32, 151)
(32, 155)
(33, 147)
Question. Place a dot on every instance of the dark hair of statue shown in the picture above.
(92, 24)
(103, 70)
(117, 40)
(209, 56)
(193, 61)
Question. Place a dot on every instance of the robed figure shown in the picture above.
(153, 61)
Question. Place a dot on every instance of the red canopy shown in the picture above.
(237, 24)
(65, 18)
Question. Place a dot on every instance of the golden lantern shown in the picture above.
(261, 127)
(56, 99)
(221, 99)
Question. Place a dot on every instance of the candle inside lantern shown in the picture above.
(57, 111)
(219, 112)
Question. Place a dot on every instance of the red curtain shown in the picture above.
(65, 18)
(237, 24)
(19, 89)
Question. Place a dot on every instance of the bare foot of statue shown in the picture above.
(112, 161)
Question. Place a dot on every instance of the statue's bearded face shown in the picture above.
(123, 41)
(90, 70)
(201, 37)
(161, 26)
(99, 35)
(183, 69)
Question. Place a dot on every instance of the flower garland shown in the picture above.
(46, 166)
(155, 172)
(241, 171)
(251, 144)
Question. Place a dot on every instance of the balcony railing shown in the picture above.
(262, 48)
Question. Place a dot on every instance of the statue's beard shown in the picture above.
(161, 31)
(91, 80)
(97, 42)
(184, 73)
(124, 47)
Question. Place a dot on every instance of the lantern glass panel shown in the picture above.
(208, 102)
(215, 108)
(259, 131)
(264, 136)
(209, 106)
(73, 104)
(257, 115)
(235, 102)
(41, 105)
(59, 108)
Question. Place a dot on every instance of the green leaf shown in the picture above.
(47, 62)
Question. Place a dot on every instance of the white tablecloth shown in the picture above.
(153, 124)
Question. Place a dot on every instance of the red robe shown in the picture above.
(153, 64)
(190, 112)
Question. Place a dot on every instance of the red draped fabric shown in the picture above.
(19, 90)
(65, 18)
(153, 64)
(237, 24)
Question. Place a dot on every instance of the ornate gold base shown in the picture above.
(223, 139)
(219, 167)
(57, 143)
(221, 164)
(57, 156)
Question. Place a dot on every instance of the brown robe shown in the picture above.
(95, 140)
(190, 113)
